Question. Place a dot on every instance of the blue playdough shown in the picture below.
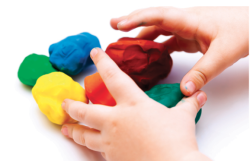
(72, 54)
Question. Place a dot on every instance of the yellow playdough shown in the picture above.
(49, 92)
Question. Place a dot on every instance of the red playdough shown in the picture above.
(145, 61)
(97, 91)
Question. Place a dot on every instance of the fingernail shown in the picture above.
(121, 23)
(190, 87)
(64, 131)
(93, 52)
(201, 99)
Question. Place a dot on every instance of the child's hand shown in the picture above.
(137, 128)
(220, 33)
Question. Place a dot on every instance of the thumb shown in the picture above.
(193, 103)
(215, 60)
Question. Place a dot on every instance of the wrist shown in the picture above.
(195, 156)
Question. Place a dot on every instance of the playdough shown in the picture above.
(50, 91)
(145, 61)
(168, 95)
(72, 54)
(97, 91)
(32, 67)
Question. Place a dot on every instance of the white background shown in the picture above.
(31, 26)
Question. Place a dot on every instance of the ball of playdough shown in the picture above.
(168, 95)
(32, 67)
(97, 91)
(72, 54)
(50, 91)
(145, 61)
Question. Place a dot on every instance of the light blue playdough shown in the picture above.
(72, 54)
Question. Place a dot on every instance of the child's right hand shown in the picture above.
(137, 128)
(220, 33)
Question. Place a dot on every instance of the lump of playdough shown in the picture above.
(145, 61)
(97, 91)
(32, 67)
(168, 95)
(72, 54)
(49, 92)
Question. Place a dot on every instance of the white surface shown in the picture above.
(31, 26)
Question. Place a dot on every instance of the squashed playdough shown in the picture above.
(32, 67)
(168, 95)
(72, 54)
(97, 91)
(49, 92)
(145, 61)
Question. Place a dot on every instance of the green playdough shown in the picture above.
(32, 67)
(168, 95)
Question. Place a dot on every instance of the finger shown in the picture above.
(152, 32)
(115, 21)
(83, 135)
(176, 43)
(218, 57)
(91, 115)
(104, 155)
(168, 18)
(119, 84)
(193, 103)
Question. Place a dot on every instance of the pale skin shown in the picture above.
(220, 33)
(138, 128)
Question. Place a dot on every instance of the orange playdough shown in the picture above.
(97, 91)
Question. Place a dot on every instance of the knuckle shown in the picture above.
(98, 58)
(109, 74)
(193, 103)
(75, 135)
(187, 110)
(89, 143)
(81, 114)
(69, 106)
(132, 103)
(103, 155)
(200, 77)
(112, 122)
(106, 142)
(114, 128)
(82, 139)
(163, 10)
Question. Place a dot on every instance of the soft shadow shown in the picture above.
(41, 120)
(177, 73)
(53, 132)
(26, 87)
(81, 76)
(225, 93)
(86, 153)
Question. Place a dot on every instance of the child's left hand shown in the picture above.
(137, 128)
